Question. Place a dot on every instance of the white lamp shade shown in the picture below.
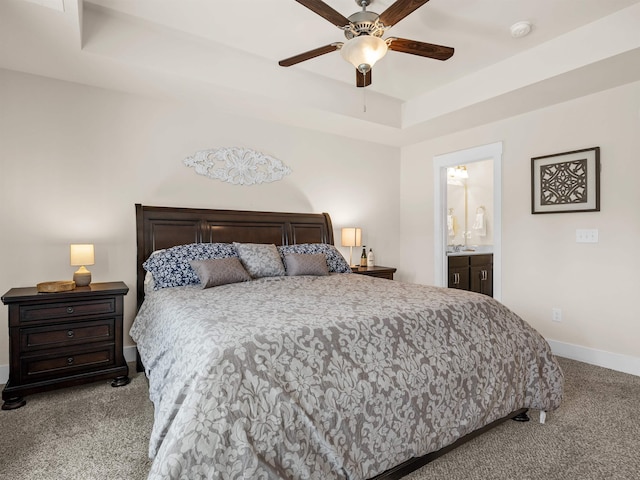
(82, 254)
(351, 237)
(364, 51)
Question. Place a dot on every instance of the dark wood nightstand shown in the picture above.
(380, 272)
(63, 339)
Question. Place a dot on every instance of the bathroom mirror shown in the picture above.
(470, 206)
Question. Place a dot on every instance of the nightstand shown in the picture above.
(63, 339)
(380, 272)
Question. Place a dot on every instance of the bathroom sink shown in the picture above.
(482, 249)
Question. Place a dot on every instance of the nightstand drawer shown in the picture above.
(66, 362)
(56, 311)
(67, 334)
(387, 275)
(377, 271)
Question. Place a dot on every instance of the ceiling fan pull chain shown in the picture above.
(364, 99)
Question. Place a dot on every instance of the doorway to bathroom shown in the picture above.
(473, 222)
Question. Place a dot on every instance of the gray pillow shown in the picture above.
(335, 260)
(306, 264)
(260, 259)
(219, 271)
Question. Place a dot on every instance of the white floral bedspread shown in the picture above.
(343, 376)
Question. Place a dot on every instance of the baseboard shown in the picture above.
(129, 355)
(600, 358)
(614, 361)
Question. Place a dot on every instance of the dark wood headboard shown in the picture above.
(164, 227)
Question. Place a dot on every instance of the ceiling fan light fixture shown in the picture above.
(364, 51)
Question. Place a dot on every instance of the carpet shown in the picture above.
(96, 432)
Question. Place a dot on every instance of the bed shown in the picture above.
(319, 375)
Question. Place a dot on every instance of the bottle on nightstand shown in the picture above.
(370, 259)
(363, 257)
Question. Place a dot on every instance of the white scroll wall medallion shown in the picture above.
(238, 166)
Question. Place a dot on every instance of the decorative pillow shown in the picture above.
(220, 271)
(335, 261)
(306, 264)
(149, 284)
(260, 259)
(171, 267)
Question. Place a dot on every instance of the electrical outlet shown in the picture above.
(587, 235)
(556, 314)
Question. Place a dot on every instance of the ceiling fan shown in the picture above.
(364, 30)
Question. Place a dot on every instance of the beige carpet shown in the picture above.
(594, 435)
(99, 432)
(87, 432)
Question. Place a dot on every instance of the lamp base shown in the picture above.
(82, 279)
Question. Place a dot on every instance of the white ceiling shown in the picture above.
(277, 29)
(227, 52)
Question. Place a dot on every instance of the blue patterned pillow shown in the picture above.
(335, 261)
(171, 267)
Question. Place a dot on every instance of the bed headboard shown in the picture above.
(164, 227)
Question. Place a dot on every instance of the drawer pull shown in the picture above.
(69, 310)
(70, 361)
(70, 333)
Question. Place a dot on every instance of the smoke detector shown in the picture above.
(520, 29)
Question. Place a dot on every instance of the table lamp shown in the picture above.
(351, 237)
(81, 255)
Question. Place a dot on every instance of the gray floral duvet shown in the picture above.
(341, 376)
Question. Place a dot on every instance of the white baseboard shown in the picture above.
(129, 355)
(4, 374)
(614, 361)
(600, 358)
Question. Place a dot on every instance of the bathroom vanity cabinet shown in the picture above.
(471, 272)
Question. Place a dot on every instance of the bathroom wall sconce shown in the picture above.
(351, 237)
(458, 172)
(457, 175)
(81, 255)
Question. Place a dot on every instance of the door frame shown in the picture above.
(492, 151)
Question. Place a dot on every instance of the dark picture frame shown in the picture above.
(566, 182)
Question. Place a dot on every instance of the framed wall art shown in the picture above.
(566, 182)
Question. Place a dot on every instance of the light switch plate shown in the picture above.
(587, 235)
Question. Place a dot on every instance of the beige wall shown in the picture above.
(595, 285)
(74, 160)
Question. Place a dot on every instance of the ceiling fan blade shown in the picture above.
(363, 80)
(399, 10)
(287, 62)
(326, 12)
(413, 47)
